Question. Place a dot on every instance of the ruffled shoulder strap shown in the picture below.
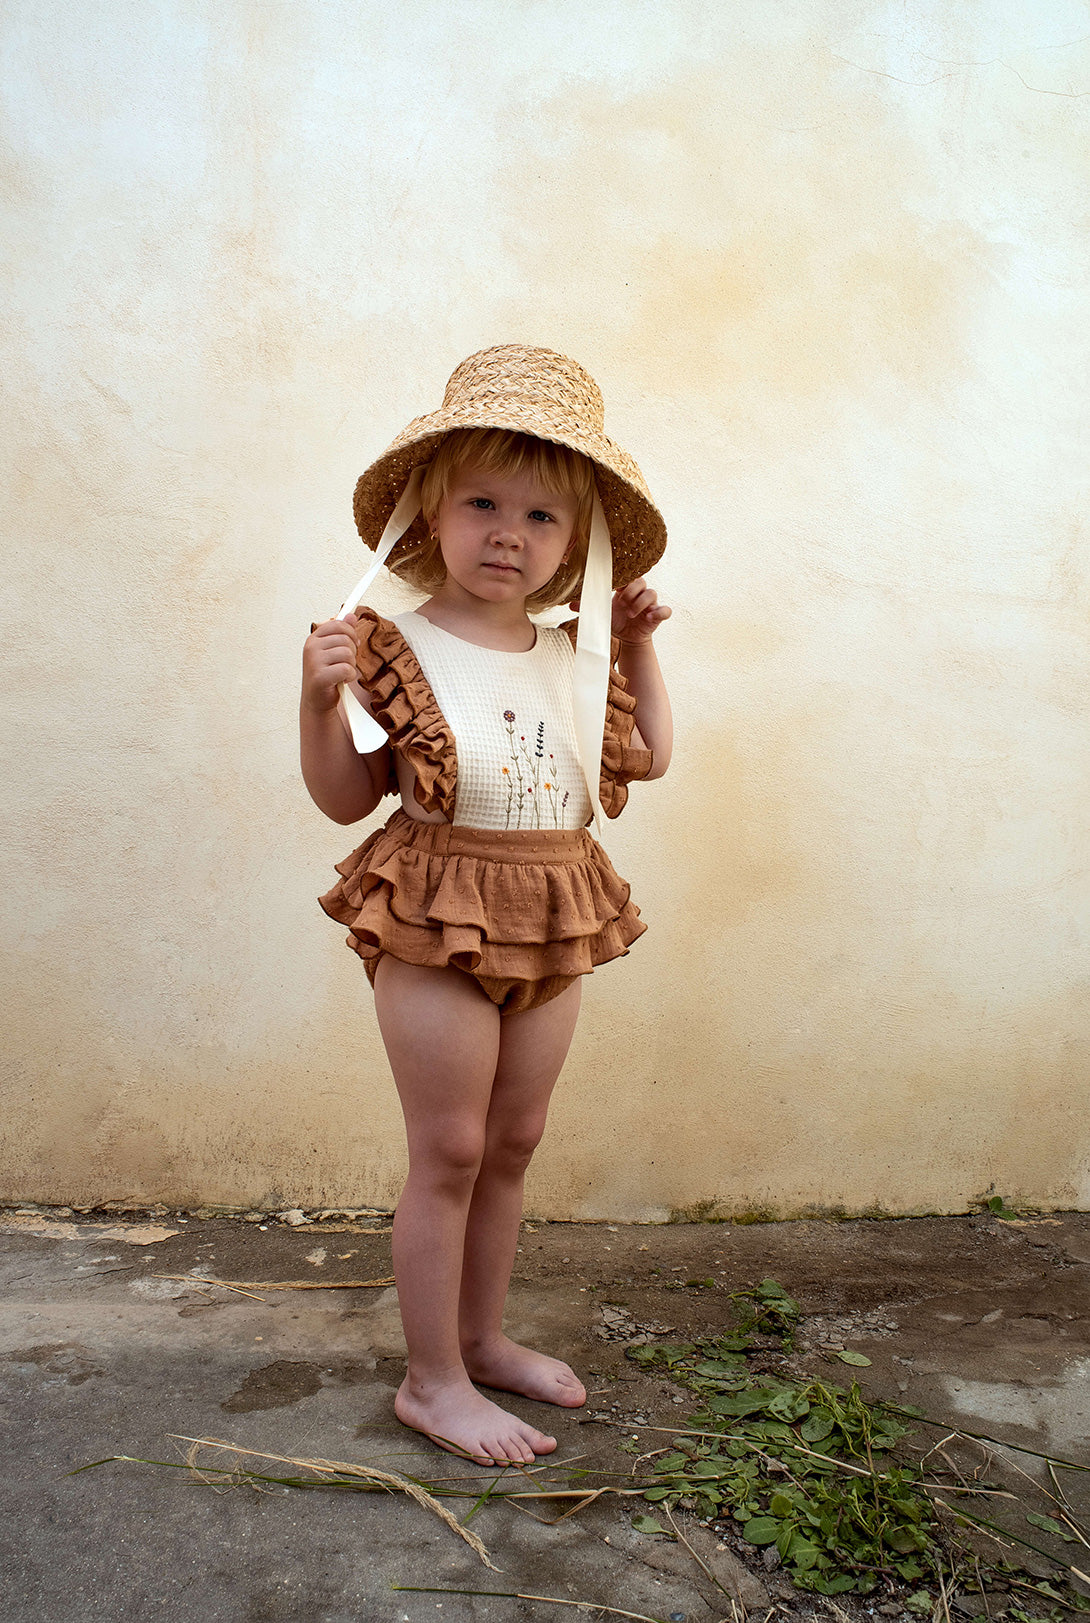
(622, 763)
(403, 703)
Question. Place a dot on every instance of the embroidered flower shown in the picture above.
(509, 715)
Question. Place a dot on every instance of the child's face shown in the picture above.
(503, 536)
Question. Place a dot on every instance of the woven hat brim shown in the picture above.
(636, 527)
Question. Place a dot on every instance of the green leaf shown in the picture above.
(770, 1431)
(653, 1495)
(920, 1603)
(648, 1524)
(739, 1403)
(672, 1462)
(850, 1357)
(770, 1290)
(832, 1586)
(801, 1554)
(761, 1530)
(1047, 1525)
(906, 1540)
(817, 1426)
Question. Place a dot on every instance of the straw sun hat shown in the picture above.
(530, 391)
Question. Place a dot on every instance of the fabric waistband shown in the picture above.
(492, 844)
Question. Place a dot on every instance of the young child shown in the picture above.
(485, 898)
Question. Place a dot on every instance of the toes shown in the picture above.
(514, 1451)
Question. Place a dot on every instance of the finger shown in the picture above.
(334, 628)
(334, 634)
(330, 673)
(642, 602)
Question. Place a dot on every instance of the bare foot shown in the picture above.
(460, 1420)
(511, 1368)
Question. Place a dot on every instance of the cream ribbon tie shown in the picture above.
(367, 735)
(590, 678)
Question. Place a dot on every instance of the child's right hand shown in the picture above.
(329, 658)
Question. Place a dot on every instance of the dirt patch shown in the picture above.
(61, 1358)
(275, 1386)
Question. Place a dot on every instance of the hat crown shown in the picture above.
(514, 383)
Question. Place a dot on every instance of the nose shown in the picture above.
(506, 535)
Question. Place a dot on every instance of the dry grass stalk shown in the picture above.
(342, 1468)
(246, 1287)
(682, 1540)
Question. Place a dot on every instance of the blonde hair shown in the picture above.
(559, 469)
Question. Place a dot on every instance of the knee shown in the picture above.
(510, 1148)
(451, 1159)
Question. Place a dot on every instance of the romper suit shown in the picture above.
(524, 904)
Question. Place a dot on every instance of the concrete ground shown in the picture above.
(977, 1321)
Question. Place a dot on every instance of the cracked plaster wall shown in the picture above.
(828, 262)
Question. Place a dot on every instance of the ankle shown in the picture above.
(427, 1381)
(476, 1344)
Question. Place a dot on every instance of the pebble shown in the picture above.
(294, 1217)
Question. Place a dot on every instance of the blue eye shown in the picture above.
(538, 515)
(482, 503)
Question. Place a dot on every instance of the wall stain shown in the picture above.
(748, 259)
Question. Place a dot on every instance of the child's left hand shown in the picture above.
(637, 612)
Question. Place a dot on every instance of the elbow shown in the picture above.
(349, 812)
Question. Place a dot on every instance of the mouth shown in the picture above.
(503, 569)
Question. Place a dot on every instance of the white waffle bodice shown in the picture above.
(511, 716)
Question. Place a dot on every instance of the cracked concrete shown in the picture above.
(976, 1321)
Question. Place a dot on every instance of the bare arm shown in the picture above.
(637, 615)
(341, 783)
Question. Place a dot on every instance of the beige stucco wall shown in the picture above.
(827, 260)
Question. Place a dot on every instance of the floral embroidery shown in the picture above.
(533, 801)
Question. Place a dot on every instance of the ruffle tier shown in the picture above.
(505, 906)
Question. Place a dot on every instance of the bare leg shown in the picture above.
(532, 1050)
(442, 1036)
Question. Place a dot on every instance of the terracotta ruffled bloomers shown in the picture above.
(524, 912)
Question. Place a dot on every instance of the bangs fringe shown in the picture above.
(560, 470)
